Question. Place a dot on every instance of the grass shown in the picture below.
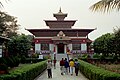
(111, 67)
(20, 66)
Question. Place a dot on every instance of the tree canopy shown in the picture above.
(101, 44)
(8, 25)
(108, 43)
(19, 45)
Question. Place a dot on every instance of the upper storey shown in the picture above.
(60, 22)
(60, 16)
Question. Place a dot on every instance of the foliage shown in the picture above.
(17, 61)
(115, 58)
(34, 60)
(108, 44)
(117, 41)
(96, 73)
(102, 57)
(19, 45)
(3, 60)
(10, 62)
(96, 55)
(28, 72)
(106, 5)
(84, 57)
(8, 25)
(101, 44)
(3, 67)
(1, 4)
(23, 59)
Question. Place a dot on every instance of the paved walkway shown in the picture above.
(58, 76)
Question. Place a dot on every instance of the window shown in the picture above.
(44, 46)
(76, 46)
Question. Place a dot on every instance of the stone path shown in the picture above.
(58, 76)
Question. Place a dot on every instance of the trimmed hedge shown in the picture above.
(28, 72)
(93, 72)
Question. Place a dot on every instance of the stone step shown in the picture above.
(60, 56)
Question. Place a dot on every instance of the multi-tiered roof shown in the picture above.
(60, 24)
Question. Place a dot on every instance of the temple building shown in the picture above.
(61, 38)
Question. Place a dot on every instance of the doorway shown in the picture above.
(60, 48)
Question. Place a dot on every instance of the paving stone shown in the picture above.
(57, 75)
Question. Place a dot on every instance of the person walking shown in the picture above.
(77, 64)
(66, 66)
(71, 66)
(62, 63)
(49, 68)
(54, 62)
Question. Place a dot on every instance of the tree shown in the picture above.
(117, 41)
(19, 45)
(111, 44)
(101, 44)
(106, 5)
(8, 25)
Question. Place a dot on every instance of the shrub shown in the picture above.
(10, 62)
(96, 56)
(115, 58)
(93, 72)
(23, 59)
(3, 60)
(17, 61)
(3, 67)
(29, 72)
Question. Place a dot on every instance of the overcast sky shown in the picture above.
(32, 13)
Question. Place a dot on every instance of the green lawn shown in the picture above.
(20, 66)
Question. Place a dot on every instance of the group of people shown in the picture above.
(68, 66)
(65, 66)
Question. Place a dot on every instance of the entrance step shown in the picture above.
(60, 56)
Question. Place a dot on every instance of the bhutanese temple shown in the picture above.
(61, 39)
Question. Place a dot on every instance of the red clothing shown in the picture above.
(54, 61)
(62, 63)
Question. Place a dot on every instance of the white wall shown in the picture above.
(51, 47)
(65, 49)
(70, 46)
(83, 47)
(37, 47)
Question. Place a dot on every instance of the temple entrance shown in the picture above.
(60, 48)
